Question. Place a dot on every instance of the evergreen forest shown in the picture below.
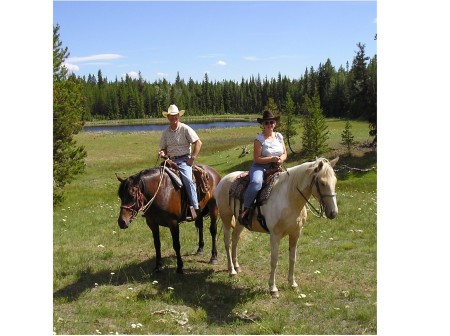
(348, 93)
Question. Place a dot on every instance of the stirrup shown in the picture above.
(193, 215)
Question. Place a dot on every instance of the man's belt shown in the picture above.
(179, 156)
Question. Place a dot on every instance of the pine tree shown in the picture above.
(68, 109)
(288, 121)
(271, 105)
(315, 134)
(347, 136)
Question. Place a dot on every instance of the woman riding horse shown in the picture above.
(284, 210)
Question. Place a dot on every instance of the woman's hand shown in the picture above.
(277, 160)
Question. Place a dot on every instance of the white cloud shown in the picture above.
(71, 67)
(221, 63)
(99, 57)
(162, 74)
(133, 74)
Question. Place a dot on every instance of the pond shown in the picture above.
(139, 128)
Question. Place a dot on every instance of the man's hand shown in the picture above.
(191, 160)
(162, 154)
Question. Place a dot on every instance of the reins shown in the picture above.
(311, 207)
(140, 198)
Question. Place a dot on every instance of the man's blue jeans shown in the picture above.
(186, 177)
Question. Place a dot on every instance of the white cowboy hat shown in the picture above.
(173, 110)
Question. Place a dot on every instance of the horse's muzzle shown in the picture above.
(331, 214)
(122, 223)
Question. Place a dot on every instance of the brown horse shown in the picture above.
(163, 203)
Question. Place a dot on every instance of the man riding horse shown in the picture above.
(175, 143)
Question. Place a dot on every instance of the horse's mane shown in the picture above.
(134, 179)
(297, 173)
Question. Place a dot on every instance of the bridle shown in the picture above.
(315, 212)
(139, 204)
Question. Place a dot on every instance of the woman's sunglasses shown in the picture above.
(270, 122)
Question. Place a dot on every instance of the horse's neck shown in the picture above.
(147, 183)
(300, 180)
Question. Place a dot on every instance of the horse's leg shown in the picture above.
(227, 243)
(201, 242)
(175, 231)
(213, 213)
(227, 229)
(274, 250)
(157, 244)
(293, 240)
(236, 236)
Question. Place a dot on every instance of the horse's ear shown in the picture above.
(319, 166)
(120, 178)
(334, 161)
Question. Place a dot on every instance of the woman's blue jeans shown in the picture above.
(256, 173)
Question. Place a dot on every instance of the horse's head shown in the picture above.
(323, 185)
(131, 200)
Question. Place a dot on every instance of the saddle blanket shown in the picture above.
(239, 185)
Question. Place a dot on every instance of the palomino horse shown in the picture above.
(153, 192)
(284, 211)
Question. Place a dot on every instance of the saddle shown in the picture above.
(200, 178)
(239, 185)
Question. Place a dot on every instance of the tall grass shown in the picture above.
(103, 280)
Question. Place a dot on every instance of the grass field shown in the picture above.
(102, 277)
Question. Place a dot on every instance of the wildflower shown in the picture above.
(316, 272)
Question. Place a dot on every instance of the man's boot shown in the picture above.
(194, 213)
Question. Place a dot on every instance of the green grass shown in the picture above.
(102, 276)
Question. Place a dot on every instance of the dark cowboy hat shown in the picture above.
(267, 115)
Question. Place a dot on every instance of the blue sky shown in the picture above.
(227, 40)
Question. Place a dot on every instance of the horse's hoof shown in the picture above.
(199, 252)
(294, 286)
(275, 294)
(213, 261)
(238, 269)
(233, 273)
